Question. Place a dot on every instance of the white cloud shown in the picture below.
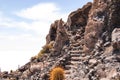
(17, 49)
(42, 11)
(41, 15)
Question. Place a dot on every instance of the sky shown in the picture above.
(24, 25)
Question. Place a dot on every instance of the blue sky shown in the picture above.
(24, 25)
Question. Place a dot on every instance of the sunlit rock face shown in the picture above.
(103, 17)
(79, 17)
(116, 39)
(58, 35)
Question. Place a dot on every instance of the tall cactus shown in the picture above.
(57, 74)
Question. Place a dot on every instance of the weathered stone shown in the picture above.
(92, 61)
(79, 17)
(25, 67)
(4, 74)
(95, 25)
(107, 44)
(36, 67)
(26, 74)
(116, 38)
(104, 79)
(102, 17)
(112, 73)
(101, 73)
(118, 58)
(52, 33)
(57, 34)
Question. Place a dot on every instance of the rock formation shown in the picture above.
(58, 35)
(87, 46)
(116, 38)
(103, 17)
(79, 17)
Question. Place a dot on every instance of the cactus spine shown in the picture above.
(57, 74)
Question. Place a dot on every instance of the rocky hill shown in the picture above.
(87, 46)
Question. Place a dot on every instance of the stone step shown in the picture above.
(75, 62)
(75, 55)
(77, 48)
(78, 58)
(76, 51)
(71, 66)
(75, 43)
(67, 67)
(75, 59)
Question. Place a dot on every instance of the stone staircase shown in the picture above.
(75, 51)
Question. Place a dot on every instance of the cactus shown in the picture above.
(57, 74)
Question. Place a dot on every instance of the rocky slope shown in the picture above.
(87, 46)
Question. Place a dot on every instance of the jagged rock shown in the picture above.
(26, 74)
(107, 44)
(93, 61)
(25, 67)
(4, 74)
(79, 17)
(52, 32)
(102, 17)
(57, 33)
(35, 67)
(116, 38)
(33, 59)
(95, 24)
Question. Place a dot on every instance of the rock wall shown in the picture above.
(103, 17)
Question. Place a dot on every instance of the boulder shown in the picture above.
(35, 67)
(116, 38)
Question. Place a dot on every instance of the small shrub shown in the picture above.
(46, 49)
(40, 53)
(57, 74)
